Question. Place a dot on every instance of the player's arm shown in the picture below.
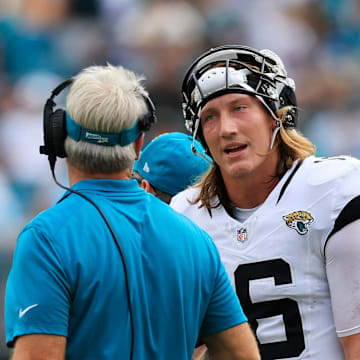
(40, 347)
(351, 346)
(236, 343)
(199, 353)
(343, 271)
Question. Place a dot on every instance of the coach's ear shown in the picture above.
(138, 145)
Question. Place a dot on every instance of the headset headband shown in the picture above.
(58, 125)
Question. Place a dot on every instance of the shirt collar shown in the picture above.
(105, 185)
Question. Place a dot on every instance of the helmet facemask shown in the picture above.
(238, 69)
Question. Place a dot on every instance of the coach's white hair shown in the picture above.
(106, 99)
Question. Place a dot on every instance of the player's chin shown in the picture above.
(239, 170)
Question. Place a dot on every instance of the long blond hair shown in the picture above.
(291, 145)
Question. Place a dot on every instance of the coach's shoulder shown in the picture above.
(49, 222)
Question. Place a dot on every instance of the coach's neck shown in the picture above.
(75, 175)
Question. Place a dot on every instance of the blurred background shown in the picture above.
(43, 42)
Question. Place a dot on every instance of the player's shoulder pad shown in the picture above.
(184, 199)
(320, 170)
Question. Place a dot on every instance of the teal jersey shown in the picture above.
(67, 277)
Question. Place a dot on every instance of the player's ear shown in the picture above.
(147, 186)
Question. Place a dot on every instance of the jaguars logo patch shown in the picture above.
(299, 221)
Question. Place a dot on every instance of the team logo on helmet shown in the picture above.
(299, 220)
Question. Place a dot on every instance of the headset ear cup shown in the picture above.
(147, 121)
(54, 126)
(46, 148)
(57, 136)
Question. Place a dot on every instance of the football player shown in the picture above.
(286, 223)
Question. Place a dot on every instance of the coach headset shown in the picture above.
(58, 125)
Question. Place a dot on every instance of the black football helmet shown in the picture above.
(238, 69)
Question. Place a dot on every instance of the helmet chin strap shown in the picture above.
(193, 148)
(276, 130)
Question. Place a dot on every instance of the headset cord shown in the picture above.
(52, 161)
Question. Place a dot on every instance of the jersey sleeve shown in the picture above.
(224, 309)
(343, 173)
(346, 206)
(343, 272)
(37, 299)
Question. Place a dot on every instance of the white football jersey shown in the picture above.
(276, 258)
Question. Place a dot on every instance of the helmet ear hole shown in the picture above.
(289, 99)
(290, 118)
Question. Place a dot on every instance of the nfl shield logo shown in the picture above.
(242, 235)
